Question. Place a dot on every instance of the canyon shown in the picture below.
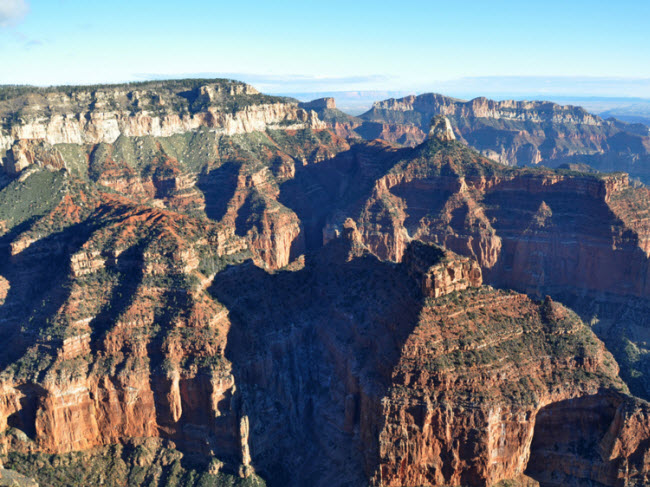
(205, 285)
(517, 133)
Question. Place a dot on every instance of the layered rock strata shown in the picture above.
(521, 132)
(92, 116)
(273, 302)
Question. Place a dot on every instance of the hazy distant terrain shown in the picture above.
(627, 109)
(350, 102)
(204, 285)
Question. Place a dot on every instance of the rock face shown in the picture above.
(4, 289)
(448, 392)
(511, 223)
(10, 478)
(492, 424)
(533, 111)
(320, 104)
(523, 132)
(111, 373)
(610, 448)
(25, 153)
(479, 209)
(350, 127)
(87, 116)
(256, 295)
(510, 132)
(441, 129)
(165, 144)
(450, 272)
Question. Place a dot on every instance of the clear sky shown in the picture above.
(593, 47)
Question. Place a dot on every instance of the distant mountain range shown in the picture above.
(203, 285)
(627, 109)
(510, 132)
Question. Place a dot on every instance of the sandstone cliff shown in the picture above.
(259, 295)
(534, 111)
(522, 132)
(536, 231)
(122, 339)
(102, 114)
(164, 144)
(418, 390)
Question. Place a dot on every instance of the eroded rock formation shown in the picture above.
(449, 272)
(205, 279)
(521, 132)
(88, 116)
(441, 129)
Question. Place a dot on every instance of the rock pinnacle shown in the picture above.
(441, 129)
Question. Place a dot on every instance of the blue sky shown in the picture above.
(569, 47)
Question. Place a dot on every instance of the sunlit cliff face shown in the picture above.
(201, 283)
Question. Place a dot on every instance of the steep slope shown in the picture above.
(368, 374)
(522, 132)
(212, 148)
(115, 338)
(535, 230)
(348, 126)
(475, 393)
(249, 295)
(580, 237)
(90, 115)
(307, 380)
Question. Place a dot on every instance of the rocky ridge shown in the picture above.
(533, 111)
(102, 114)
(521, 132)
(157, 143)
(273, 303)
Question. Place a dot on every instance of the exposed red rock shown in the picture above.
(5, 286)
(485, 422)
(513, 223)
(261, 296)
(453, 273)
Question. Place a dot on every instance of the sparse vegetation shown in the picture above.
(144, 463)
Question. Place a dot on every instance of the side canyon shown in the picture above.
(204, 285)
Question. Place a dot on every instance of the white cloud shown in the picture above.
(12, 11)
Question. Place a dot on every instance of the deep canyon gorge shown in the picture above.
(204, 285)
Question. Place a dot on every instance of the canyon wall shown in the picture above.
(91, 116)
(522, 132)
(194, 270)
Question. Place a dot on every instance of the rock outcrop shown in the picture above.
(203, 273)
(441, 129)
(27, 152)
(448, 390)
(522, 132)
(449, 272)
(10, 478)
(102, 115)
(511, 223)
(5, 287)
(320, 104)
(532, 111)
(106, 371)
(456, 401)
